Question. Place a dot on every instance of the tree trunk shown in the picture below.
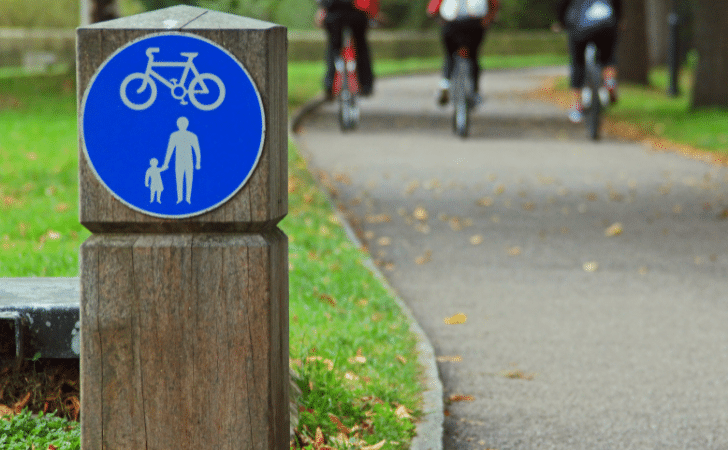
(632, 53)
(102, 10)
(658, 30)
(711, 41)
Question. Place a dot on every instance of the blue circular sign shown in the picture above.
(173, 125)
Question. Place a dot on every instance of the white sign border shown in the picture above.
(82, 135)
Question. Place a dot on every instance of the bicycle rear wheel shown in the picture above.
(348, 99)
(348, 110)
(462, 93)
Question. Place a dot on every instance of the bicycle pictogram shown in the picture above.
(198, 87)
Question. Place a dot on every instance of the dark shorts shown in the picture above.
(606, 42)
(334, 23)
(463, 33)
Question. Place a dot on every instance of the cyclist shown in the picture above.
(464, 24)
(590, 21)
(334, 15)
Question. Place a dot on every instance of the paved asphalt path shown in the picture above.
(577, 336)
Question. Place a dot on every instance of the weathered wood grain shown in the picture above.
(185, 341)
(261, 48)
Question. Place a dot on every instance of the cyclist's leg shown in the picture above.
(449, 45)
(359, 23)
(578, 75)
(607, 44)
(474, 34)
(333, 25)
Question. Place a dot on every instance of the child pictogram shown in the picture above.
(153, 180)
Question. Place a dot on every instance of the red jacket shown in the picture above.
(371, 7)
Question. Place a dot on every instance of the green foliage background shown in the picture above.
(295, 14)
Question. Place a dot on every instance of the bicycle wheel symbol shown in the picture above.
(147, 84)
(205, 93)
(199, 92)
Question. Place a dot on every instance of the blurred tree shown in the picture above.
(102, 10)
(632, 54)
(259, 9)
(711, 41)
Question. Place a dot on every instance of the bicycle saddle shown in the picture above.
(188, 54)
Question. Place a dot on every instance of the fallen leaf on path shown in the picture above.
(342, 178)
(614, 230)
(412, 187)
(420, 213)
(485, 201)
(384, 241)
(456, 224)
(514, 251)
(456, 358)
(591, 266)
(424, 259)
(378, 218)
(457, 319)
(476, 239)
(461, 398)
(518, 375)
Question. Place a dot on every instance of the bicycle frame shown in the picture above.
(187, 65)
(346, 83)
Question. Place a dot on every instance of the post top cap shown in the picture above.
(181, 18)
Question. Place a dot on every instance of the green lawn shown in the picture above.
(657, 115)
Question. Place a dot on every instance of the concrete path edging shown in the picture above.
(429, 429)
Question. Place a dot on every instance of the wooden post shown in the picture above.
(184, 316)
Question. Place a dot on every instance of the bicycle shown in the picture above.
(178, 90)
(346, 83)
(463, 92)
(594, 96)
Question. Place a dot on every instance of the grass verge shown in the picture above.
(647, 113)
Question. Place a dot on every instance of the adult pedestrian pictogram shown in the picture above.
(209, 98)
(182, 143)
(139, 140)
